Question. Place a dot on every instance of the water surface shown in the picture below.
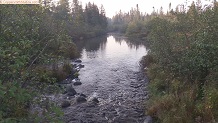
(109, 60)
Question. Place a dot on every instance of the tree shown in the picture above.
(63, 10)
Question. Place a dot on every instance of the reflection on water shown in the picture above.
(108, 59)
(132, 43)
(111, 45)
(93, 44)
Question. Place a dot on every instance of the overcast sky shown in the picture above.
(113, 6)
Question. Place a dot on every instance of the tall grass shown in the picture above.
(172, 101)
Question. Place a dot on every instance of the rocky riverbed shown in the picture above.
(120, 102)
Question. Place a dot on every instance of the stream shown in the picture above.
(112, 76)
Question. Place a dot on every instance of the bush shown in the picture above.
(61, 72)
(14, 102)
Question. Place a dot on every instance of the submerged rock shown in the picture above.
(65, 104)
(77, 83)
(81, 66)
(78, 61)
(81, 99)
(83, 95)
(95, 100)
(71, 91)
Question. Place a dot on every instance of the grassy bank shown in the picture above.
(182, 66)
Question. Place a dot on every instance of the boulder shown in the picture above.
(65, 104)
(70, 91)
(81, 99)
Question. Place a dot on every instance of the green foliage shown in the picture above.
(30, 37)
(60, 72)
(50, 113)
(14, 101)
(134, 29)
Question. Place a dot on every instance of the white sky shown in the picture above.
(113, 6)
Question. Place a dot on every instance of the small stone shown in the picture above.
(81, 99)
(65, 104)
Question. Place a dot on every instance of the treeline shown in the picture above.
(121, 21)
(181, 63)
(131, 23)
(81, 23)
(34, 40)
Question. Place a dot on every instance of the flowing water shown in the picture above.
(112, 75)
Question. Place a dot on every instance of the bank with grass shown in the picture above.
(182, 66)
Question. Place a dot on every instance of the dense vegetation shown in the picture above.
(34, 39)
(181, 63)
